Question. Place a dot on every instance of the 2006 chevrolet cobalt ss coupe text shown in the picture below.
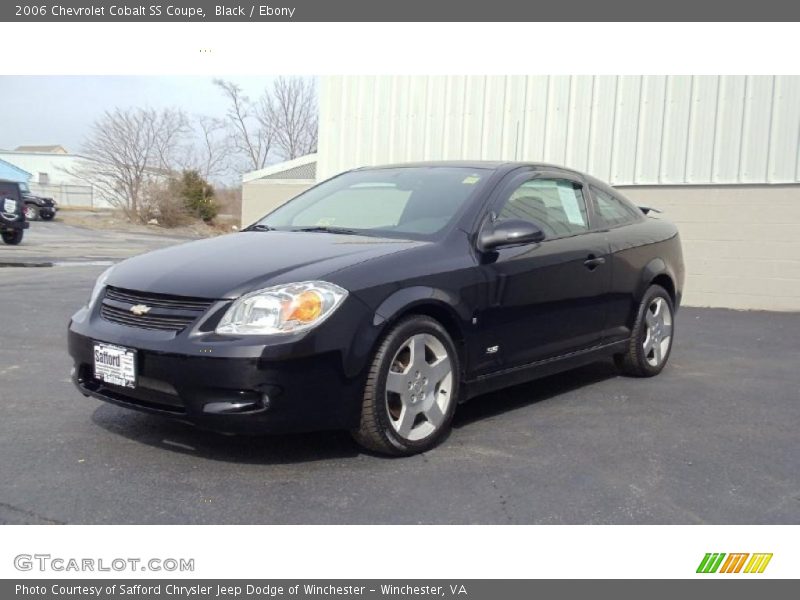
(380, 299)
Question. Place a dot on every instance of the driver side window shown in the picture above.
(557, 206)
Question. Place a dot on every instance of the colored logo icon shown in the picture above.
(719, 562)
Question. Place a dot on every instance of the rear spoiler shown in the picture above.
(647, 209)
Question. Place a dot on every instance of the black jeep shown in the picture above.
(12, 212)
(37, 207)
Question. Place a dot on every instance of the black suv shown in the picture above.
(37, 207)
(12, 212)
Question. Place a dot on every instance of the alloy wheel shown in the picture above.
(658, 332)
(419, 387)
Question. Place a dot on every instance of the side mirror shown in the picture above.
(508, 232)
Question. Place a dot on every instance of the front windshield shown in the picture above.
(416, 202)
(24, 187)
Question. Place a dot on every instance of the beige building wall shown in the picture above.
(741, 243)
(262, 195)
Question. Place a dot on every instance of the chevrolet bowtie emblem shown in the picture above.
(140, 309)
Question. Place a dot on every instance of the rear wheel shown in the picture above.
(12, 237)
(31, 212)
(651, 339)
(411, 391)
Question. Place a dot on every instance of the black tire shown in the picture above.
(376, 431)
(46, 216)
(13, 237)
(31, 212)
(637, 362)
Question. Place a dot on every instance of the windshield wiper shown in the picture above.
(259, 227)
(327, 229)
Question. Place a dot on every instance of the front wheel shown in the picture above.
(12, 237)
(651, 339)
(411, 390)
(48, 216)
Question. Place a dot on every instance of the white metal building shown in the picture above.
(52, 176)
(625, 130)
(720, 155)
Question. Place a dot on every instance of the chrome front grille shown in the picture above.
(161, 312)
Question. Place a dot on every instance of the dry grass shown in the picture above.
(174, 221)
(113, 220)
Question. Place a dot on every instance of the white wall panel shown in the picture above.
(728, 129)
(472, 121)
(756, 128)
(651, 128)
(785, 132)
(434, 119)
(579, 123)
(626, 127)
(626, 130)
(676, 129)
(513, 115)
(455, 98)
(533, 122)
(702, 122)
(604, 108)
(556, 117)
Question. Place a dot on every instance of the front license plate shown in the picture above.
(115, 364)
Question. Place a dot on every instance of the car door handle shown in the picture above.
(593, 262)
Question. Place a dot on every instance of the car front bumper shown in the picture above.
(301, 385)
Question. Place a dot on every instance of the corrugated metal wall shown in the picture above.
(626, 130)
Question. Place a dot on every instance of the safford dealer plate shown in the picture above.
(115, 364)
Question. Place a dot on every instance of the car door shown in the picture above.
(544, 299)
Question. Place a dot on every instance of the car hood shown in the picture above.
(229, 265)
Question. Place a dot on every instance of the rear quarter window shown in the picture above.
(611, 211)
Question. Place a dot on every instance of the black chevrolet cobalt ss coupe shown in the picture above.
(380, 299)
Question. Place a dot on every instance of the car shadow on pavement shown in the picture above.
(186, 439)
(526, 394)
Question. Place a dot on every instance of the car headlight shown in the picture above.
(282, 309)
(98, 286)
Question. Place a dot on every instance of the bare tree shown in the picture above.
(129, 148)
(290, 112)
(209, 151)
(282, 120)
(249, 135)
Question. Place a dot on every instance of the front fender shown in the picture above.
(405, 299)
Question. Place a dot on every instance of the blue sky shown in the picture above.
(38, 110)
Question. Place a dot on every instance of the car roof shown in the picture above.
(505, 167)
(493, 165)
(8, 181)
